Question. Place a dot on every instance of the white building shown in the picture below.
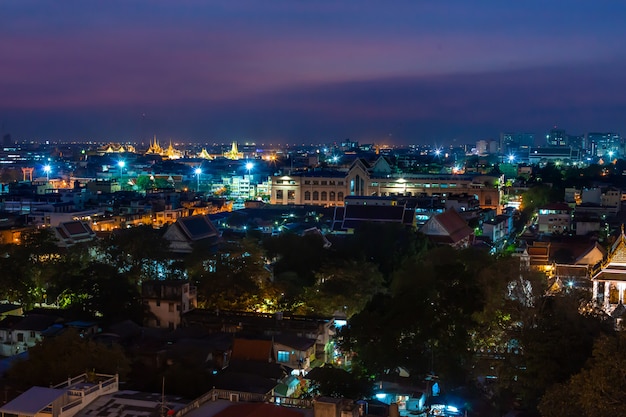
(167, 302)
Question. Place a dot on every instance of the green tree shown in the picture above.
(335, 382)
(140, 252)
(426, 322)
(233, 277)
(26, 267)
(55, 359)
(597, 390)
(345, 286)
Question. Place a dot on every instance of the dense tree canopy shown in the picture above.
(597, 390)
(55, 359)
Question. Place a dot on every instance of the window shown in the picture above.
(283, 356)
(340, 196)
(158, 303)
(332, 196)
(291, 195)
(316, 195)
(316, 183)
(307, 182)
(307, 195)
(324, 196)
(279, 181)
(279, 194)
(158, 323)
(20, 337)
(324, 183)
(32, 334)
(331, 182)
(170, 307)
(339, 182)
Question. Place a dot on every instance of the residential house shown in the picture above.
(294, 351)
(554, 218)
(21, 333)
(320, 329)
(449, 228)
(498, 228)
(167, 302)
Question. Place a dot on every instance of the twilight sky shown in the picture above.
(302, 71)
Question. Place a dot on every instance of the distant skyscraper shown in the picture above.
(601, 144)
(556, 137)
(512, 142)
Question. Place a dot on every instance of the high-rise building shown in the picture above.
(600, 144)
(512, 142)
(557, 137)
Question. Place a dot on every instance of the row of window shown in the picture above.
(291, 195)
(331, 196)
(413, 185)
(317, 182)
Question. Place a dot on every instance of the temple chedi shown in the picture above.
(233, 153)
(170, 152)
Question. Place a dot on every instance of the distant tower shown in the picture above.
(233, 153)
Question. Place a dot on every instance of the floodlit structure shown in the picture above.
(330, 187)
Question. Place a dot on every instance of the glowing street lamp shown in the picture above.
(197, 171)
(47, 169)
(511, 158)
(249, 166)
(611, 153)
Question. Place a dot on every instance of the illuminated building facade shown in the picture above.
(329, 188)
(609, 284)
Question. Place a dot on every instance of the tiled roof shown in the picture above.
(454, 225)
(75, 228)
(197, 227)
(259, 350)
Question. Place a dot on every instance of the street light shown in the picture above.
(249, 166)
(197, 171)
(46, 169)
(121, 164)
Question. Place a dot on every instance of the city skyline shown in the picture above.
(288, 72)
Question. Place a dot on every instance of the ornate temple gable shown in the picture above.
(618, 251)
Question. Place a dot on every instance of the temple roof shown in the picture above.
(615, 268)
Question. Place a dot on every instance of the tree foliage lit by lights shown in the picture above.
(26, 267)
(233, 277)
